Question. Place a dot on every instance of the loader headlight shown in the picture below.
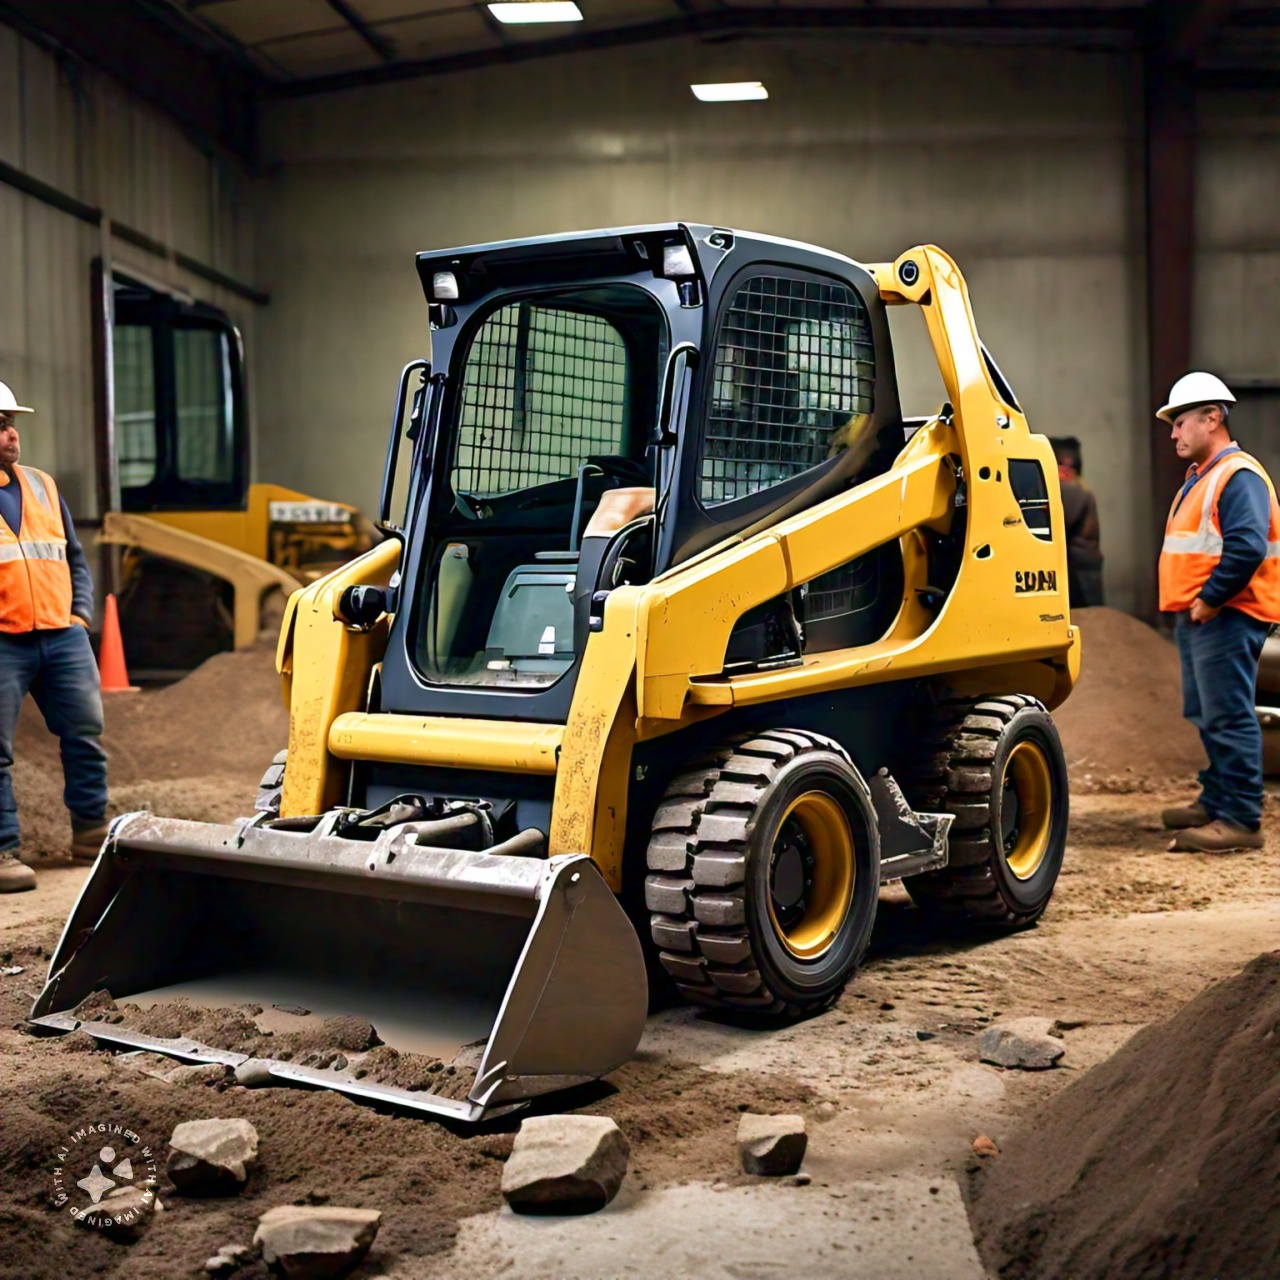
(444, 286)
(677, 261)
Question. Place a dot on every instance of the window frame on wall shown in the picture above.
(733, 510)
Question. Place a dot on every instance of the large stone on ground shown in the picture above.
(306, 1242)
(211, 1157)
(771, 1145)
(565, 1164)
(1026, 1043)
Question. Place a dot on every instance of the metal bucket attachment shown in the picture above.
(530, 961)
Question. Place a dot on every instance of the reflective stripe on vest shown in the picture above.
(35, 580)
(1193, 545)
(32, 551)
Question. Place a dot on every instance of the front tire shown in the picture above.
(764, 875)
(1000, 772)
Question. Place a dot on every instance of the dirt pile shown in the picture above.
(1124, 719)
(1162, 1163)
(194, 749)
(317, 1147)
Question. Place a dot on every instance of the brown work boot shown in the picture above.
(14, 875)
(87, 835)
(1188, 815)
(1216, 837)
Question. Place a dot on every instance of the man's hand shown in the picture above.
(80, 622)
(1201, 612)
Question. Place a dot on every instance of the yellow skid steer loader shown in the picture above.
(684, 635)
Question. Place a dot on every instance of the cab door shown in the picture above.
(180, 421)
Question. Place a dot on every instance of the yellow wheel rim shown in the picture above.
(1026, 809)
(811, 873)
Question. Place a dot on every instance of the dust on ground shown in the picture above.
(889, 1080)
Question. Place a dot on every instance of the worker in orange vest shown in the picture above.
(46, 605)
(1220, 576)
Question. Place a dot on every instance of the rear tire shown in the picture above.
(764, 875)
(998, 769)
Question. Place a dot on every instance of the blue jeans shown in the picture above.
(58, 670)
(1219, 671)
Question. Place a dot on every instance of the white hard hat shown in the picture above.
(8, 404)
(1194, 389)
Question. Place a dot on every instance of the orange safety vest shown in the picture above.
(35, 582)
(1193, 546)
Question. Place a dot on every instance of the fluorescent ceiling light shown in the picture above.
(730, 91)
(537, 11)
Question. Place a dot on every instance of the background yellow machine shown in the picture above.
(685, 635)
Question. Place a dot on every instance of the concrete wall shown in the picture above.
(1019, 162)
(86, 136)
(1237, 317)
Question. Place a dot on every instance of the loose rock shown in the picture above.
(211, 1157)
(1027, 1043)
(566, 1164)
(309, 1243)
(771, 1145)
(231, 1257)
(983, 1146)
(131, 1211)
(255, 1073)
(200, 1073)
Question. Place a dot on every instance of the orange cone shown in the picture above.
(112, 673)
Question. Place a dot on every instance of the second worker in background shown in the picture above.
(1220, 576)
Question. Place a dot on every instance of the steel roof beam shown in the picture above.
(1124, 24)
(378, 43)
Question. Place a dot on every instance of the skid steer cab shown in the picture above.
(684, 642)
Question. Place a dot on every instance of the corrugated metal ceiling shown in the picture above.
(302, 45)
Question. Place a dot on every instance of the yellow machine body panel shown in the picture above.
(326, 667)
(657, 665)
(495, 937)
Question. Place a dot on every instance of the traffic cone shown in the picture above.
(113, 675)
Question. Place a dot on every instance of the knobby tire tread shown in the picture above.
(954, 775)
(697, 863)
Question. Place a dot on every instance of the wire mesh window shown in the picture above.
(793, 383)
(544, 388)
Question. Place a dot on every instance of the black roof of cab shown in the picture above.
(617, 251)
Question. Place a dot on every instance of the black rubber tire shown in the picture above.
(708, 886)
(963, 772)
(271, 786)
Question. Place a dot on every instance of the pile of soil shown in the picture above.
(319, 1147)
(195, 749)
(1162, 1162)
(1123, 720)
(346, 1044)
